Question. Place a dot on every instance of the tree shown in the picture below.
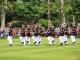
(56, 11)
(5, 7)
(30, 10)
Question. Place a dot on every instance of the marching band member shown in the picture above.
(28, 35)
(61, 37)
(9, 38)
(50, 36)
(22, 37)
(73, 35)
(65, 35)
(40, 34)
(36, 40)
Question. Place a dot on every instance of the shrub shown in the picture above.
(43, 22)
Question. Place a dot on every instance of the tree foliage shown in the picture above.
(35, 10)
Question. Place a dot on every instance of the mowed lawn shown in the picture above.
(41, 52)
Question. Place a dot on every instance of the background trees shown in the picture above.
(32, 11)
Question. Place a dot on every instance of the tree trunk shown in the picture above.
(62, 12)
(73, 20)
(4, 14)
(49, 21)
(3, 18)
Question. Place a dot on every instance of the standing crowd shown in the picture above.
(37, 32)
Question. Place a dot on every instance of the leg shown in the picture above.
(49, 40)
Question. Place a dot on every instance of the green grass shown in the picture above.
(42, 52)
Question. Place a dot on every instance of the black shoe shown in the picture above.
(61, 44)
(27, 42)
(10, 45)
(52, 42)
(35, 43)
(65, 42)
(74, 43)
(39, 42)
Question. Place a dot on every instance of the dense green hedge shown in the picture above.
(43, 22)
